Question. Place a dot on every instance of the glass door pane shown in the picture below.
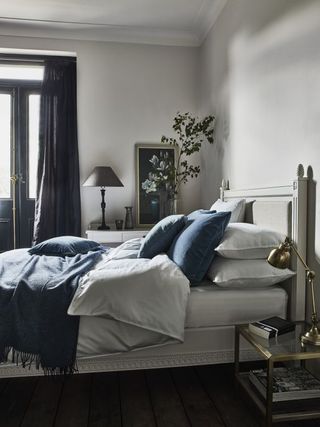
(33, 143)
(5, 145)
(21, 72)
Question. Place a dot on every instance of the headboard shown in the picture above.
(284, 209)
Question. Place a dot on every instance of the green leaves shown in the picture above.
(170, 141)
(191, 134)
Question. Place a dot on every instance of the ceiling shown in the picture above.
(169, 22)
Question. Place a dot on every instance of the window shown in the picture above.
(33, 143)
(21, 72)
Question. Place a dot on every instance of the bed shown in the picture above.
(211, 312)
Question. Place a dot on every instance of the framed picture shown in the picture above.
(153, 192)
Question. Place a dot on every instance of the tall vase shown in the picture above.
(168, 204)
(172, 206)
(177, 205)
(128, 223)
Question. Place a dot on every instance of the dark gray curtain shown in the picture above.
(57, 208)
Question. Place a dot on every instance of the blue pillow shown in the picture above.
(195, 214)
(193, 249)
(65, 246)
(160, 237)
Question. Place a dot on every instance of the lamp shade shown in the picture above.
(102, 176)
(280, 257)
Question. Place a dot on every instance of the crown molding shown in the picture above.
(207, 18)
(93, 32)
(193, 37)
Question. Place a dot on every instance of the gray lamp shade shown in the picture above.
(102, 176)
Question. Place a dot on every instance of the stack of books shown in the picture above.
(288, 383)
(271, 327)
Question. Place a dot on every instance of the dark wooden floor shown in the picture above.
(181, 397)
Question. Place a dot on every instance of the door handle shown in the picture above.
(14, 178)
(17, 177)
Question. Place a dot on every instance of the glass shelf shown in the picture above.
(285, 348)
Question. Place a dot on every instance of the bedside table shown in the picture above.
(114, 238)
(287, 348)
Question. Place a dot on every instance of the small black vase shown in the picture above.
(128, 223)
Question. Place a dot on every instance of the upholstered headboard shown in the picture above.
(284, 209)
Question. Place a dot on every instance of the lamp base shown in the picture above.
(103, 227)
(312, 336)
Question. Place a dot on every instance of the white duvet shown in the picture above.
(149, 294)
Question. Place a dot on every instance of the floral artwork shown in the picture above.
(160, 175)
(155, 183)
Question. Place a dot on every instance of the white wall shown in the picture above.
(126, 94)
(260, 73)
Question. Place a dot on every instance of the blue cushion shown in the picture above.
(195, 214)
(193, 248)
(65, 246)
(160, 237)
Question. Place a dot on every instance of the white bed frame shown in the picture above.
(283, 208)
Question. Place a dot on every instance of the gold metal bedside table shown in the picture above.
(286, 349)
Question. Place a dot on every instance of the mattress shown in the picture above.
(208, 306)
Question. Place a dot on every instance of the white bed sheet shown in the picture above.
(208, 306)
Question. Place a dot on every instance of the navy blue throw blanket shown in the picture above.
(35, 293)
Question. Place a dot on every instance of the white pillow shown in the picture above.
(248, 241)
(237, 208)
(235, 273)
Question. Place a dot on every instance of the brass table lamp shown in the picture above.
(280, 258)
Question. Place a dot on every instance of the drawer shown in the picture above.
(101, 236)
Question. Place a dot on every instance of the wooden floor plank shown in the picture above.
(167, 406)
(15, 399)
(136, 407)
(44, 403)
(3, 384)
(199, 408)
(73, 409)
(219, 384)
(105, 409)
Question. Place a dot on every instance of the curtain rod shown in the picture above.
(8, 57)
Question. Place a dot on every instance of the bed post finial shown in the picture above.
(300, 171)
(225, 184)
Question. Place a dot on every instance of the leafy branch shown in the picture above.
(191, 133)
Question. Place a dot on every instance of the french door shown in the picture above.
(19, 143)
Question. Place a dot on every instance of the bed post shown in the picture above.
(224, 186)
(299, 237)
